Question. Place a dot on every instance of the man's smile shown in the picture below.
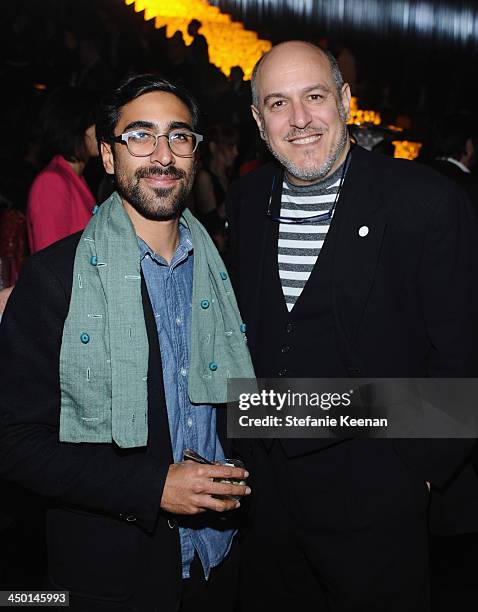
(162, 180)
(306, 139)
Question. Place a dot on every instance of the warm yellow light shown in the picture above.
(364, 116)
(229, 43)
(404, 149)
(358, 116)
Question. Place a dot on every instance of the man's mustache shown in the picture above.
(302, 132)
(172, 172)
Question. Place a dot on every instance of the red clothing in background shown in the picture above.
(60, 203)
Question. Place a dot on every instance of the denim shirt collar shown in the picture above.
(183, 250)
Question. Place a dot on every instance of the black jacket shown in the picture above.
(107, 537)
(403, 298)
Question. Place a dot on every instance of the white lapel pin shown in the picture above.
(363, 231)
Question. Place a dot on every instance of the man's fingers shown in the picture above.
(217, 505)
(222, 471)
(219, 488)
(191, 488)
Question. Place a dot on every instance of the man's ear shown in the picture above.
(258, 119)
(345, 99)
(107, 157)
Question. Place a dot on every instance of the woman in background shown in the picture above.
(60, 202)
(213, 180)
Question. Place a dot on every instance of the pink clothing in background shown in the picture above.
(60, 203)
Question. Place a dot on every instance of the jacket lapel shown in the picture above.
(158, 424)
(361, 229)
(255, 231)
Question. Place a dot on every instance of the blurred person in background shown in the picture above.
(95, 73)
(18, 168)
(213, 180)
(198, 50)
(454, 152)
(60, 202)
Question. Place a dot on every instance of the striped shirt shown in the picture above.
(300, 244)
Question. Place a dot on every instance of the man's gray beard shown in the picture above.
(312, 174)
(157, 206)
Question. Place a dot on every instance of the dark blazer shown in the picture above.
(107, 536)
(466, 180)
(402, 299)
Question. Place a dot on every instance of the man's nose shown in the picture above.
(300, 115)
(162, 154)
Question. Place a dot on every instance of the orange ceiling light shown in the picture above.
(230, 44)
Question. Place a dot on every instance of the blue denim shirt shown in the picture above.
(190, 425)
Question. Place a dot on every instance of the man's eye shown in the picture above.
(141, 136)
(180, 136)
(316, 97)
(277, 104)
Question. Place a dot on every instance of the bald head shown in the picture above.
(298, 49)
(301, 106)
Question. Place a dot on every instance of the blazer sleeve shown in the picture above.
(449, 298)
(448, 285)
(100, 478)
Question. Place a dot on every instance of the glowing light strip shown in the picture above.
(229, 43)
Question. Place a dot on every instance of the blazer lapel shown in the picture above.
(361, 229)
(255, 231)
(158, 424)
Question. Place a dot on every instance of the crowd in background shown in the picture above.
(82, 49)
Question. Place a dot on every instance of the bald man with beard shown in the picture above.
(347, 264)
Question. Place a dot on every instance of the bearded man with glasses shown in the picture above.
(109, 374)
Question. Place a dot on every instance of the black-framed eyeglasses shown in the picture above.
(326, 216)
(142, 143)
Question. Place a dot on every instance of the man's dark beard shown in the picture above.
(151, 207)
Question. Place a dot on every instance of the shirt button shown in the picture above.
(289, 327)
(85, 338)
(242, 327)
(178, 321)
(282, 372)
(285, 349)
(93, 260)
(183, 371)
(95, 209)
(213, 366)
(205, 304)
(223, 276)
(190, 422)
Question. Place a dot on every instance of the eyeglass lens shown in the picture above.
(142, 144)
